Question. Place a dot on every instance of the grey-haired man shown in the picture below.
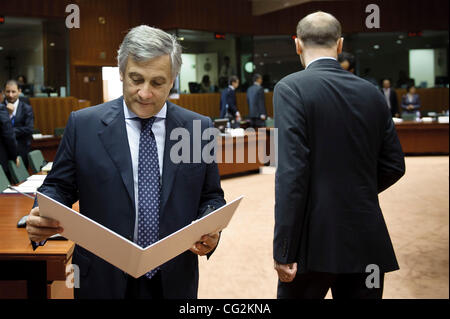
(115, 159)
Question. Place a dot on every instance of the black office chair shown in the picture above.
(194, 87)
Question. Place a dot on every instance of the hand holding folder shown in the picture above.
(123, 253)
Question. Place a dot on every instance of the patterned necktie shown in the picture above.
(13, 120)
(149, 189)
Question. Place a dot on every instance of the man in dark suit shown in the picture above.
(116, 159)
(390, 96)
(22, 119)
(228, 107)
(337, 150)
(256, 102)
(8, 146)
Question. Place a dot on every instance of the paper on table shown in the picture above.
(123, 253)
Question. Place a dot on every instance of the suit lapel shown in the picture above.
(115, 140)
(169, 168)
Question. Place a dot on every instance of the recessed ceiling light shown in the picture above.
(52, 44)
(399, 41)
(376, 46)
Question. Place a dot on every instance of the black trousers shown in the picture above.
(144, 288)
(315, 285)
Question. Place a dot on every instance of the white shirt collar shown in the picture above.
(231, 87)
(16, 104)
(129, 114)
(321, 58)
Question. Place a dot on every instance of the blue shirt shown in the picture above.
(133, 126)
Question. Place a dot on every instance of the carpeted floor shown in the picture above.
(416, 210)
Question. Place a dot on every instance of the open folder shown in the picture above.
(123, 253)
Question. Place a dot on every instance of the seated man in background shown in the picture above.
(391, 97)
(8, 146)
(256, 103)
(228, 107)
(410, 101)
(22, 119)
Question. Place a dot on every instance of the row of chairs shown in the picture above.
(20, 174)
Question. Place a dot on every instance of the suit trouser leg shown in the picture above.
(353, 286)
(311, 285)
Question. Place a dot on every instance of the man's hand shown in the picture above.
(410, 107)
(238, 116)
(10, 108)
(206, 244)
(17, 161)
(262, 116)
(40, 228)
(286, 272)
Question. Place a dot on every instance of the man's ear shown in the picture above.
(121, 76)
(298, 46)
(340, 45)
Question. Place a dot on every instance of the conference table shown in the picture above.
(418, 138)
(246, 145)
(25, 273)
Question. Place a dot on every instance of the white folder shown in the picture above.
(123, 253)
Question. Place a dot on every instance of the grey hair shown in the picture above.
(143, 43)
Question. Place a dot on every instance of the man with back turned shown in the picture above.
(338, 149)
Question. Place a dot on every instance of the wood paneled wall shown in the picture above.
(433, 99)
(398, 15)
(50, 113)
(96, 44)
(209, 103)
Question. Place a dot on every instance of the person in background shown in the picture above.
(22, 119)
(228, 107)
(8, 144)
(347, 61)
(391, 97)
(226, 71)
(411, 100)
(256, 102)
(337, 150)
(26, 89)
(205, 86)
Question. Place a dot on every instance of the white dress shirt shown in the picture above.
(133, 126)
(16, 104)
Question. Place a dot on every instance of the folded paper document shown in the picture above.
(123, 253)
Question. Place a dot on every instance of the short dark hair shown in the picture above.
(347, 56)
(319, 29)
(12, 82)
(409, 86)
(232, 79)
(23, 77)
(256, 77)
